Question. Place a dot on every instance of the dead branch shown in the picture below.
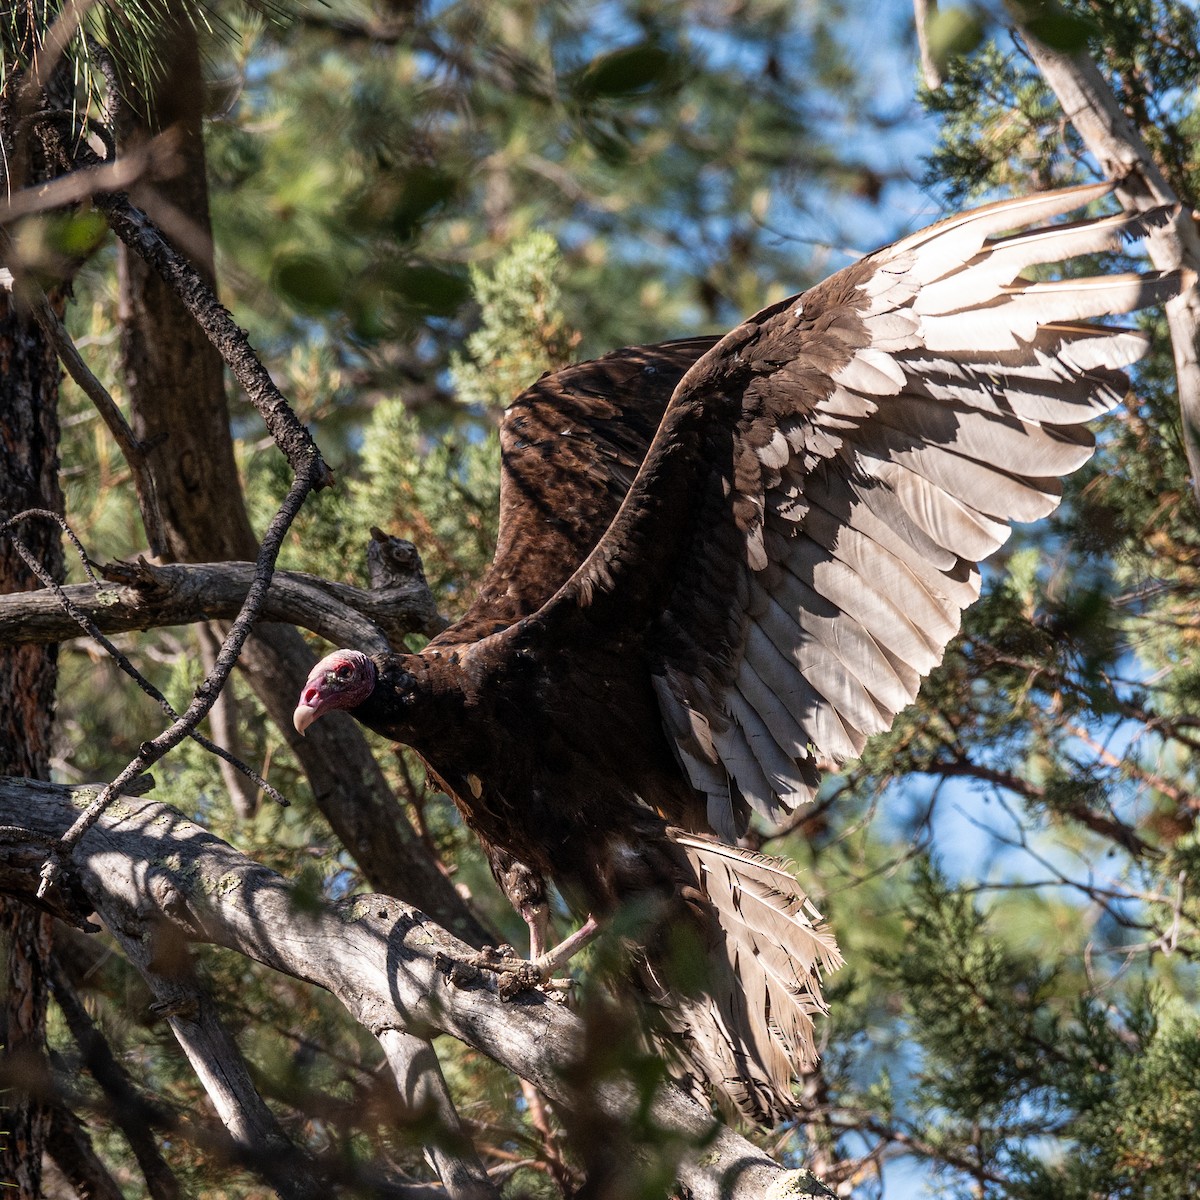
(384, 960)
(1090, 105)
(146, 596)
(418, 1076)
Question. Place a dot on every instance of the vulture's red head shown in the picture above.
(343, 679)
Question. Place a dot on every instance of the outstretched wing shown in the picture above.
(570, 446)
(804, 533)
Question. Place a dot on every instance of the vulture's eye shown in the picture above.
(344, 671)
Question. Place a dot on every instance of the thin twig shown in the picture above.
(144, 238)
(539, 1118)
(122, 662)
(36, 301)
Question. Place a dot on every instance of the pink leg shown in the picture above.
(537, 917)
(539, 968)
(556, 959)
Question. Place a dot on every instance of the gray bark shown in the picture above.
(145, 867)
(145, 596)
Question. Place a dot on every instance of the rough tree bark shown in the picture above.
(178, 403)
(28, 479)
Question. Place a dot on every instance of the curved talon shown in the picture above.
(526, 978)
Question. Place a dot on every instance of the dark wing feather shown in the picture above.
(570, 446)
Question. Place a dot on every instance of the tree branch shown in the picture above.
(1089, 104)
(139, 233)
(385, 961)
(146, 596)
(84, 622)
(71, 1148)
(418, 1076)
(1106, 825)
(931, 72)
(130, 1110)
(155, 943)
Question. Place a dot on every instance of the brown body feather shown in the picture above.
(723, 565)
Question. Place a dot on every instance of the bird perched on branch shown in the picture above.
(723, 564)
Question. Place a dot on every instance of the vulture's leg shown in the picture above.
(537, 917)
(526, 891)
(554, 960)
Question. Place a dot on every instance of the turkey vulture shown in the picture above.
(722, 565)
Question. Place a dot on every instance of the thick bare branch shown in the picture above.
(384, 960)
(418, 1076)
(145, 596)
(1089, 104)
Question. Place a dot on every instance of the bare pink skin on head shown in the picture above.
(343, 679)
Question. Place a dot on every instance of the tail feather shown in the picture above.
(752, 1030)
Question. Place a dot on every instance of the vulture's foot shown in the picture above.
(518, 975)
